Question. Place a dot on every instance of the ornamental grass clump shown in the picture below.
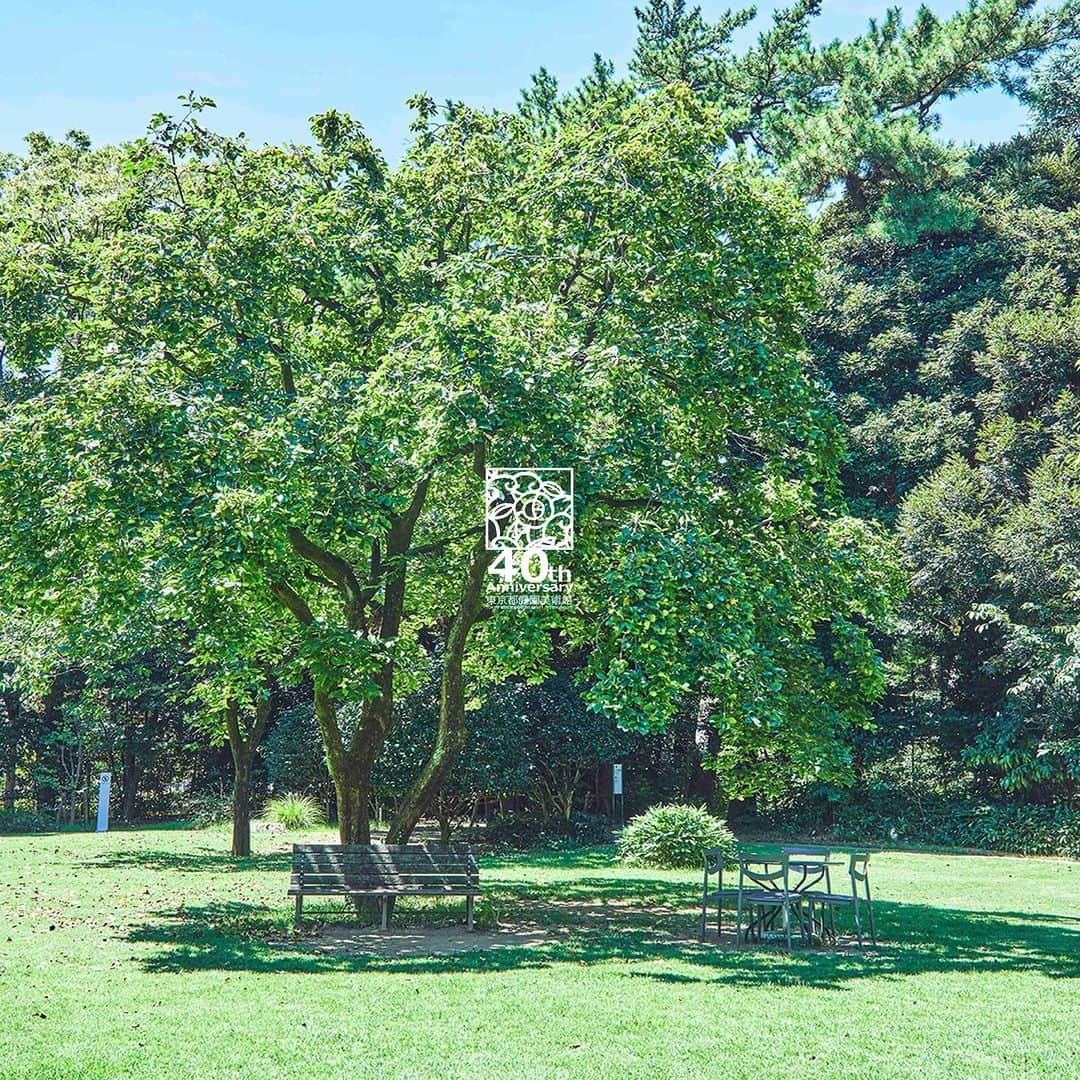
(294, 812)
(674, 838)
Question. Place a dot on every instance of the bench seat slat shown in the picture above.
(375, 868)
(383, 883)
(388, 871)
(411, 864)
(393, 849)
(387, 868)
(391, 872)
(344, 890)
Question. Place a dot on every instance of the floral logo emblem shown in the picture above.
(529, 508)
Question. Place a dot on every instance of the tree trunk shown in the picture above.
(445, 817)
(353, 790)
(131, 787)
(12, 708)
(351, 760)
(855, 190)
(452, 726)
(241, 805)
(76, 777)
(243, 754)
(350, 769)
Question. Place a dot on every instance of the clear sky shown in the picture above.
(105, 67)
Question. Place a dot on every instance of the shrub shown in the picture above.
(526, 832)
(294, 812)
(1022, 830)
(674, 837)
(15, 822)
(882, 815)
(212, 808)
(589, 830)
(294, 755)
(514, 832)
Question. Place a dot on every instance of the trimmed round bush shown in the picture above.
(294, 812)
(674, 838)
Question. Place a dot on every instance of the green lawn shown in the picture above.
(147, 953)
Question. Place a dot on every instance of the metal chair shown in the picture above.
(858, 872)
(714, 864)
(813, 862)
(773, 891)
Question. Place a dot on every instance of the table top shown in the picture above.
(775, 860)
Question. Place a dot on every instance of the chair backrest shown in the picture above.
(749, 865)
(859, 866)
(714, 860)
(807, 853)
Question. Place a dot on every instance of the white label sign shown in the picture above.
(616, 779)
(103, 802)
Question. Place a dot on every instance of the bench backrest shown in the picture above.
(397, 867)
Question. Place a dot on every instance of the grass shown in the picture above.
(147, 953)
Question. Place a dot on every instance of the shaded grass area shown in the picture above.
(155, 953)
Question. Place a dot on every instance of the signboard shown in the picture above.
(103, 802)
(616, 779)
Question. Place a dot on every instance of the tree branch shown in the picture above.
(286, 595)
(339, 572)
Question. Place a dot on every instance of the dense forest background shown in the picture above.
(947, 337)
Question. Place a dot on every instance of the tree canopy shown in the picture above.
(255, 390)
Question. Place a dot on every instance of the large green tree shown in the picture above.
(950, 335)
(275, 375)
(861, 113)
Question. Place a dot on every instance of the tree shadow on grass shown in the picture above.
(568, 858)
(595, 920)
(200, 860)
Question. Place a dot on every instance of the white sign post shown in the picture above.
(616, 796)
(103, 802)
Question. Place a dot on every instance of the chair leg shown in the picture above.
(787, 925)
(870, 909)
(382, 913)
(738, 921)
(858, 922)
(299, 908)
(704, 902)
(832, 908)
(468, 912)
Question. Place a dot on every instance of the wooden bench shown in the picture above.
(383, 871)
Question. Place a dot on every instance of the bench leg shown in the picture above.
(382, 912)
(468, 912)
(299, 908)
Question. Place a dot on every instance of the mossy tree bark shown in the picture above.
(375, 606)
(243, 745)
(453, 729)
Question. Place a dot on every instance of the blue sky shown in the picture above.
(106, 67)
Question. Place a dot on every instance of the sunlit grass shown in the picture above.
(154, 953)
